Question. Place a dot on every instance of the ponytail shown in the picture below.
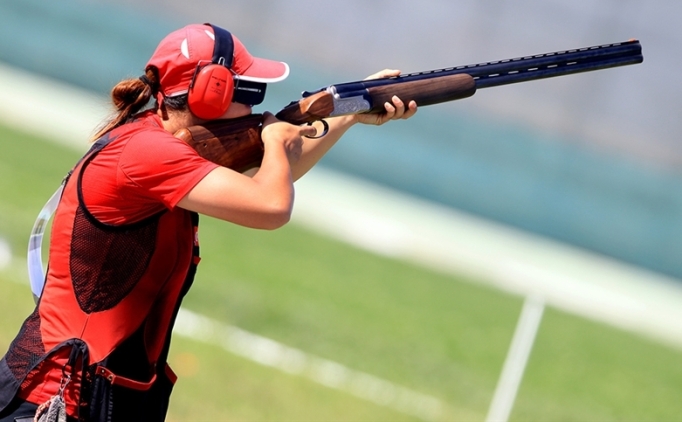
(129, 97)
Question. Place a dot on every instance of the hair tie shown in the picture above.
(146, 80)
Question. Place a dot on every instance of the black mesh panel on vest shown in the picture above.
(108, 261)
(27, 348)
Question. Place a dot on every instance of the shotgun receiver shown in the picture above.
(425, 88)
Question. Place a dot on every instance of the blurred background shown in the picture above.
(592, 160)
(588, 163)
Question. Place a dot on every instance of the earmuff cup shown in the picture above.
(212, 88)
(211, 93)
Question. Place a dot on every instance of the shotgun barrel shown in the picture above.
(454, 83)
(520, 69)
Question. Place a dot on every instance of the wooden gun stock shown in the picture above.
(233, 143)
(236, 143)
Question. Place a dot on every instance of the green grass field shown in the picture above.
(434, 333)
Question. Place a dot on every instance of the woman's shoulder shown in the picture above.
(147, 125)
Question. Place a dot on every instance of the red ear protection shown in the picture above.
(210, 93)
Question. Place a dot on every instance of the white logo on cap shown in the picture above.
(184, 49)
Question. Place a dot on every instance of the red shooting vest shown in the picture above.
(106, 312)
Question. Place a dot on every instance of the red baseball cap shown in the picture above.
(179, 53)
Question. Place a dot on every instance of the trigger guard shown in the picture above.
(324, 132)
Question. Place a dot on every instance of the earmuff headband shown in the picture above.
(252, 93)
(223, 48)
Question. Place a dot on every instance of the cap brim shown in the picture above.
(265, 71)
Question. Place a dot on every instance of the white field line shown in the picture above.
(331, 374)
(517, 358)
(400, 226)
(268, 352)
(49, 109)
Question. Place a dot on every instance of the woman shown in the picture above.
(124, 244)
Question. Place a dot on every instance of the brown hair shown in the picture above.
(129, 97)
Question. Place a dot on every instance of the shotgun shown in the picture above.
(236, 143)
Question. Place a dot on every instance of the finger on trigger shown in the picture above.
(308, 130)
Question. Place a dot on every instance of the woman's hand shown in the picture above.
(264, 201)
(394, 111)
(276, 132)
(315, 149)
